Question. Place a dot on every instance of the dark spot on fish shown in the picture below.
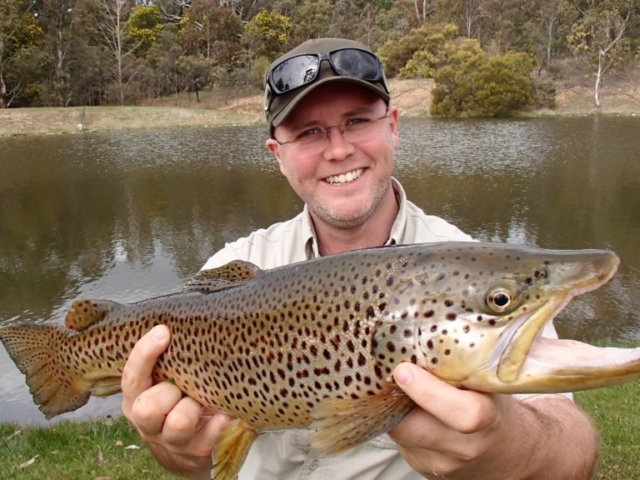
(447, 352)
(429, 314)
(451, 316)
(391, 347)
(434, 360)
(434, 328)
(430, 345)
(408, 333)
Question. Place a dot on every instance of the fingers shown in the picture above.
(464, 411)
(136, 376)
(151, 408)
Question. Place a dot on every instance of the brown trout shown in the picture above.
(314, 344)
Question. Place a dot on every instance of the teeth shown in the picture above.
(345, 177)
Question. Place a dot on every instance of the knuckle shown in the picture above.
(476, 417)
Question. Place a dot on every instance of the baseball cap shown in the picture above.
(294, 75)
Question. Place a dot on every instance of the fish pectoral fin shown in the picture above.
(231, 275)
(231, 450)
(84, 313)
(344, 424)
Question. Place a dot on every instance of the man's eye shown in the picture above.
(356, 122)
(308, 133)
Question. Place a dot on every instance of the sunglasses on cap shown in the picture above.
(301, 70)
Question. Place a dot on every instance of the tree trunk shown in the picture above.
(596, 93)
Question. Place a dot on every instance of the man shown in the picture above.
(333, 133)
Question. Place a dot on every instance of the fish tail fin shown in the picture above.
(34, 349)
(231, 450)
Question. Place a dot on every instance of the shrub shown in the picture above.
(471, 84)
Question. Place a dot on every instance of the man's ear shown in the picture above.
(393, 123)
(274, 148)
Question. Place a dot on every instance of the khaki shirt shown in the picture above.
(287, 455)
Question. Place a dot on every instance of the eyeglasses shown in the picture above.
(353, 130)
(298, 71)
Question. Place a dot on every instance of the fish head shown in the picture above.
(474, 315)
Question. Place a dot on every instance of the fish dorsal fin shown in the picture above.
(84, 313)
(342, 424)
(228, 276)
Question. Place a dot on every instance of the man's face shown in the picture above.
(344, 182)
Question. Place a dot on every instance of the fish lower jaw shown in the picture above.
(555, 366)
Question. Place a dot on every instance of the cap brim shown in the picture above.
(298, 95)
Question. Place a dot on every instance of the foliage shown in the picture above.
(474, 85)
(425, 62)
(258, 70)
(211, 31)
(267, 34)
(144, 25)
(96, 52)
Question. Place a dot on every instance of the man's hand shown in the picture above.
(461, 434)
(179, 432)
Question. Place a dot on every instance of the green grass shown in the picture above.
(97, 449)
(105, 449)
(616, 411)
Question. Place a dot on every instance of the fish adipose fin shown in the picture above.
(231, 275)
(231, 450)
(344, 424)
(84, 313)
(34, 350)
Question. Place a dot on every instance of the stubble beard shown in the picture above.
(328, 215)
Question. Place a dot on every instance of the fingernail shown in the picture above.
(158, 333)
(403, 375)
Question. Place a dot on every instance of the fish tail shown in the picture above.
(54, 387)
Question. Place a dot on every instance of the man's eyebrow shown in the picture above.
(348, 114)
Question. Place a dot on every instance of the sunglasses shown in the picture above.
(301, 70)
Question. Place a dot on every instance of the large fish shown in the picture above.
(314, 344)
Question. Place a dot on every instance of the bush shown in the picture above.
(258, 69)
(473, 85)
(398, 54)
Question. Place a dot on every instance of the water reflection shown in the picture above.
(129, 215)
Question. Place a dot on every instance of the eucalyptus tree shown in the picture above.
(20, 54)
(599, 35)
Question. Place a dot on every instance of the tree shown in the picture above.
(113, 18)
(600, 36)
(19, 53)
(267, 34)
(211, 31)
(58, 18)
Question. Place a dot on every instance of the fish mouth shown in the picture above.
(530, 363)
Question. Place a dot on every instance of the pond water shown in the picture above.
(129, 215)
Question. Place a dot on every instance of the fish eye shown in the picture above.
(499, 299)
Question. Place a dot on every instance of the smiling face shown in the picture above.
(345, 184)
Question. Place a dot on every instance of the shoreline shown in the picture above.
(412, 97)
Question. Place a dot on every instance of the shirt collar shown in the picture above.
(395, 236)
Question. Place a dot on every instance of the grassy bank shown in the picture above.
(30, 121)
(110, 449)
(412, 97)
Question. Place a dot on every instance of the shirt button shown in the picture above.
(314, 465)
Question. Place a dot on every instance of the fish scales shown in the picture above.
(314, 344)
